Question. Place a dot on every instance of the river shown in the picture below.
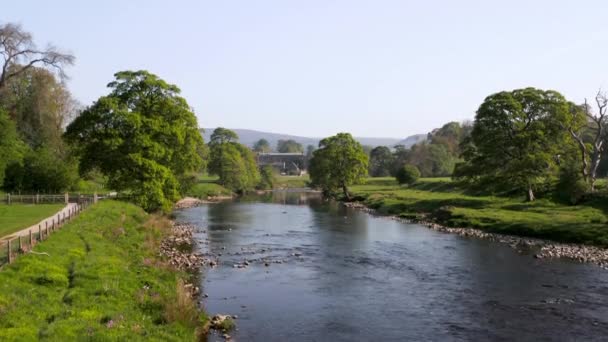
(321, 272)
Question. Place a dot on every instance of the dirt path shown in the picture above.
(47, 221)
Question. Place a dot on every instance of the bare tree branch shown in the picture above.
(20, 53)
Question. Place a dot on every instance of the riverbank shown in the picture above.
(102, 276)
(575, 232)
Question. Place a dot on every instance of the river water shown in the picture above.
(337, 274)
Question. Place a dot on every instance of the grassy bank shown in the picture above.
(18, 216)
(207, 186)
(445, 202)
(101, 280)
(291, 182)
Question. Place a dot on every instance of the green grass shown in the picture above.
(206, 186)
(291, 182)
(101, 280)
(15, 217)
(448, 203)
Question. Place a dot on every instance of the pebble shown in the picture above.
(181, 234)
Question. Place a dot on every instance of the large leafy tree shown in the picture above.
(338, 163)
(516, 139)
(234, 163)
(380, 161)
(143, 136)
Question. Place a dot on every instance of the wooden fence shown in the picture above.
(49, 199)
(14, 246)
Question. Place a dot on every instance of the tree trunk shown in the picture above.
(595, 163)
(583, 148)
(346, 194)
(531, 197)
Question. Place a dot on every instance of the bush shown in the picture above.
(571, 187)
(408, 174)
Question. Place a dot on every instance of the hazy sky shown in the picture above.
(317, 67)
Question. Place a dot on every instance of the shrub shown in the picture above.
(571, 187)
(408, 174)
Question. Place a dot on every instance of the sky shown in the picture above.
(374, 68)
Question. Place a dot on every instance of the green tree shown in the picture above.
(433, 160)
(41, 173)
(40, 105)
(380, 161)
(515, 140)
(234, 163)
(143, 136)
(338, 163)
(262, 145)
(289, 146)
(400, 158)
(408, 174)
(223, 135)
(267, 177)
(12, 148)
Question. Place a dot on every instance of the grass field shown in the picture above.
(101, 281)
(15, 217)
(291, 182)
(446, 202)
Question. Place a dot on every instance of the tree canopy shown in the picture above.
(142, 135)
(338, 163)
(262, 145)
(381, 161)
(515, 139)
(232, 162)
(289, 146)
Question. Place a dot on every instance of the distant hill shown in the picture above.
(412, 140)
(249, 137)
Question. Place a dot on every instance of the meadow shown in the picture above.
(446, 202)
(98, 278)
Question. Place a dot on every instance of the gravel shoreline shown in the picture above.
(544, 249)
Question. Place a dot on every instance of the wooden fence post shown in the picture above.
(31, 240)
(39, 232)
(8, 196)
(20, 244)
(10, 257)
